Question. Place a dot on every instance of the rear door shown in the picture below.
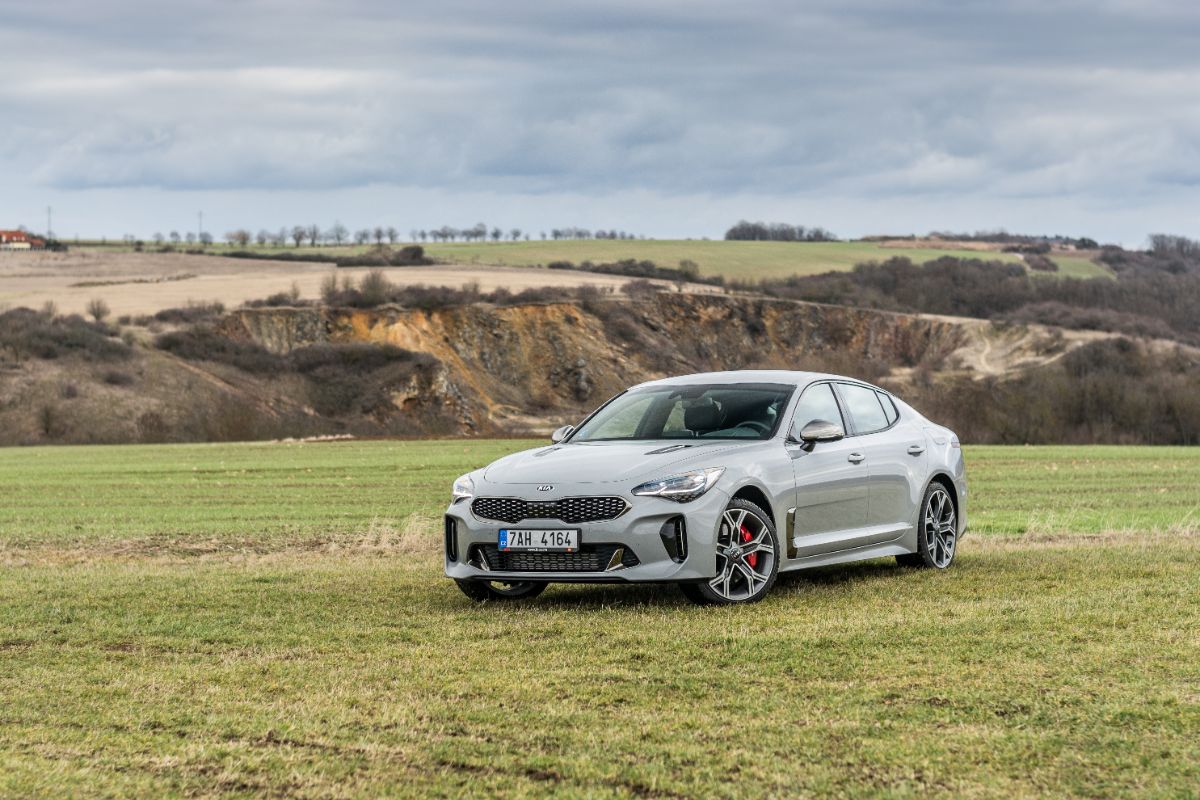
(895, 457)
(832, 486)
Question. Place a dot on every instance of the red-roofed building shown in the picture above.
(20, 240)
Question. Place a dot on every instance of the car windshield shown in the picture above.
(703, 411)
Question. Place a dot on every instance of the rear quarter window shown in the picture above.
(889, 408)
(864, 407)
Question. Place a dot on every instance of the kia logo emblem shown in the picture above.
(545, 487)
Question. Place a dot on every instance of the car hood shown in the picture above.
(607, 462)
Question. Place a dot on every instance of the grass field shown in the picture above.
(271, 620)
(1078, 267)
(742, 260)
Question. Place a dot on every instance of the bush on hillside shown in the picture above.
(25, 333)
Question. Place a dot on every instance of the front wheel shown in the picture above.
(747, 558)
(480, 591)
(937, 533)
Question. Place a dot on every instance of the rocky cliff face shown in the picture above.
(532, 365)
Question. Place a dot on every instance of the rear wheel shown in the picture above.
(747, 558)
(937, 533)
(480, 591)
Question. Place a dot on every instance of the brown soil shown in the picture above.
(143, 283)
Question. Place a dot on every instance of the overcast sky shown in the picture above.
(662, 117)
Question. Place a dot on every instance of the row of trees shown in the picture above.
(745, 231)
(1168, 245)
(338, 234)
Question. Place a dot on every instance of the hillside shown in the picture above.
(483, 368)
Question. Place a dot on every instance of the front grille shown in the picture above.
(568, 509)
(590, 558)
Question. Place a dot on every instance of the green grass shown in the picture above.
(1077, 267)
(271, 620)
(742, 260)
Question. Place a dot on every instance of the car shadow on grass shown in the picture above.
(650, 594)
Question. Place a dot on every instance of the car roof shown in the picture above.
(785, 376)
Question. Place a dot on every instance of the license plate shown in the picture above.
(559, 540)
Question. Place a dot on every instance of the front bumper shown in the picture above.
(636, 531)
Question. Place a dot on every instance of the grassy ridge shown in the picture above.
(742, 260)
(270, 619)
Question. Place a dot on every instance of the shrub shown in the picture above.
(189, 314)
(374, 289)
(28, 334)
(97, 309)
(383, 256)
(205, 344)
(117, 378)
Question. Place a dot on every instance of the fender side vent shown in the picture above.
(674, 538)
(451, 538)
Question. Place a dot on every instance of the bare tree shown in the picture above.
(98, 309)
(496, 234)
(377, 233)
(280, 238)
(362, 236)
(515, 234)
(190, 238)
(392, 234)
(339, 234)
(174, 236)
(314, 234)
(299, 234)
(206, 238)
(240, 237)
(159, 238)
(262, 237)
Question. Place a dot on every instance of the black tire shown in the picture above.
(482, 591)
(704, 594)
(933, 552)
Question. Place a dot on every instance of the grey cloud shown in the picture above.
(939, 98)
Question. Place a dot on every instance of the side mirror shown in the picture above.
(821, 431)
(562, 433)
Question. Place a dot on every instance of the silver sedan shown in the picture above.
(716, 482)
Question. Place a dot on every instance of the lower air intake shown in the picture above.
(590, 558)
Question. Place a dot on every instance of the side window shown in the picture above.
(865, 410)
(889, 408)
(818, 402)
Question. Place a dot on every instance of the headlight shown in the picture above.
(464, 489)
(683, 487)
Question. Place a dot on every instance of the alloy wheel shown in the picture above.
(939, 528)
(745, 555)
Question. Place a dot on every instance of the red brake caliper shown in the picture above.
(751, 559)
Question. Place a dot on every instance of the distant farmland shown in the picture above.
(736, 260)
(744, 260)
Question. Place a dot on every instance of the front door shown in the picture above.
(832, 482)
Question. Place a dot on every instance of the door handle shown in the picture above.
(855, 458)
(915, 449)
